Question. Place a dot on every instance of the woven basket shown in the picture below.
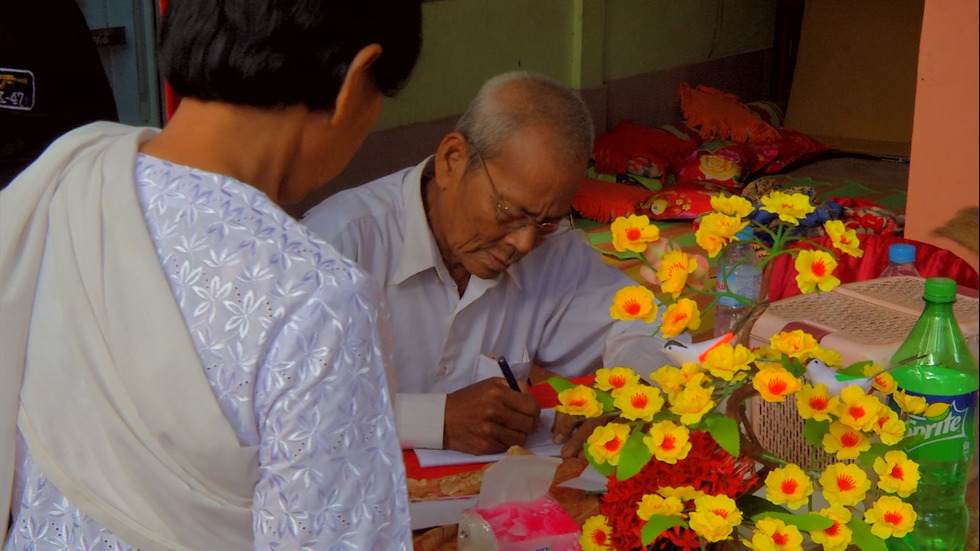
(865, 320)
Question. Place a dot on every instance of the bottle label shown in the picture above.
(948, 433)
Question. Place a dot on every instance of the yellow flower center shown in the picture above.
(617, 381)
(893, 517)
(833, 530)
(598, 537)
(777, 386)
(819, 269)
(612, 445)
(639, 400)
(846, 483)
(789, 486)
(579, 402)
(818, 403)
(780, 538)
(856, 412)
(669, 443)
(721, 513)
(849, 440)
(897, 473)
(633, 234)
(631, 307)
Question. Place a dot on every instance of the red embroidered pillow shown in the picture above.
(605, 201)
(681, 201)
(725, 163)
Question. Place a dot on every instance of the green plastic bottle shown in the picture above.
(934, 362)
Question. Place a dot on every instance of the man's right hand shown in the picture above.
(488, 417)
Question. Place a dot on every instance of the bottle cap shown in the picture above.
(901, 253)
(940, 289)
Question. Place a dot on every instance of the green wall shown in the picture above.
(583, 43)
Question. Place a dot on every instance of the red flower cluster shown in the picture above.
(707, 468)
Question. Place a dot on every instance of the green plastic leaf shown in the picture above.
(867, 458)
(560, 384)
(724, 430)
(795, 368)
(753, 506)
(625, 255)
(605, 469)
(862, 537)
(635, 456)
(606, 400)
(656, 525)
(807, 521)
(813, 431)
(855, 369)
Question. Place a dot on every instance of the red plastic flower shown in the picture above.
(707, 468)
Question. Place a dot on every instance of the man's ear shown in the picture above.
(451, 159)
(358, 93)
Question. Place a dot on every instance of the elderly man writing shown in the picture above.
(474, 250)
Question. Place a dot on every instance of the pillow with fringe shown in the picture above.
(720, 116)
(605, 201)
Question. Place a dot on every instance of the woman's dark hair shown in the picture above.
(270, 53)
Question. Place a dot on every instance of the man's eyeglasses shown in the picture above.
(512, 219)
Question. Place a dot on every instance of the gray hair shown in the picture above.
(511, 102)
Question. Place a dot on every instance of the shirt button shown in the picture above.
(443, 370)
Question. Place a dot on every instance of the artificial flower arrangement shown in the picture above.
(682, 474)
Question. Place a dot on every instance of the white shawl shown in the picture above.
(115, 407)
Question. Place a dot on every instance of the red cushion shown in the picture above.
(930, 261)
(605, 201)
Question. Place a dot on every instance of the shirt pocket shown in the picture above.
(487, 367)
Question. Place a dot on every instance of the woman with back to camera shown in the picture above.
(196, 369)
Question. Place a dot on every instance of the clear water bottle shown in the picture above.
(934, 362)
(901, 261)
(738, 272)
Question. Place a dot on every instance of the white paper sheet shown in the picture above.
(539, 443)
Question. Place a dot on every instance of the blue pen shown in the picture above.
(508, 374)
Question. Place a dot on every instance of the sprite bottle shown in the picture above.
(935, 363)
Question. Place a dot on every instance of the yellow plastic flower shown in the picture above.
(693, 401)
(789, 485)
(883, 381)
(717, 230)
(732, 205)
(679, 317)
(838, 536)
(632, 233)
(683, 493)
(596, 534)
(718, 168)
(858, 409)
(889, 427)
(897, 474)
(606, 442)
(814, 402)
(672, 379)
(668, 442)
(791, 208)
(910, 403)
(827, 356)
(844, 441)
(844, 484)
(616, 379)
(634, 303)
(771, 534)
(795, 344)
(844, 240)
(674, 270)
(714, 517)
(815, 269)
(579, 400)
(653, 504)
(766, 351)
(774, 383)
(890, 517)
(726, 362)
(639, 401)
